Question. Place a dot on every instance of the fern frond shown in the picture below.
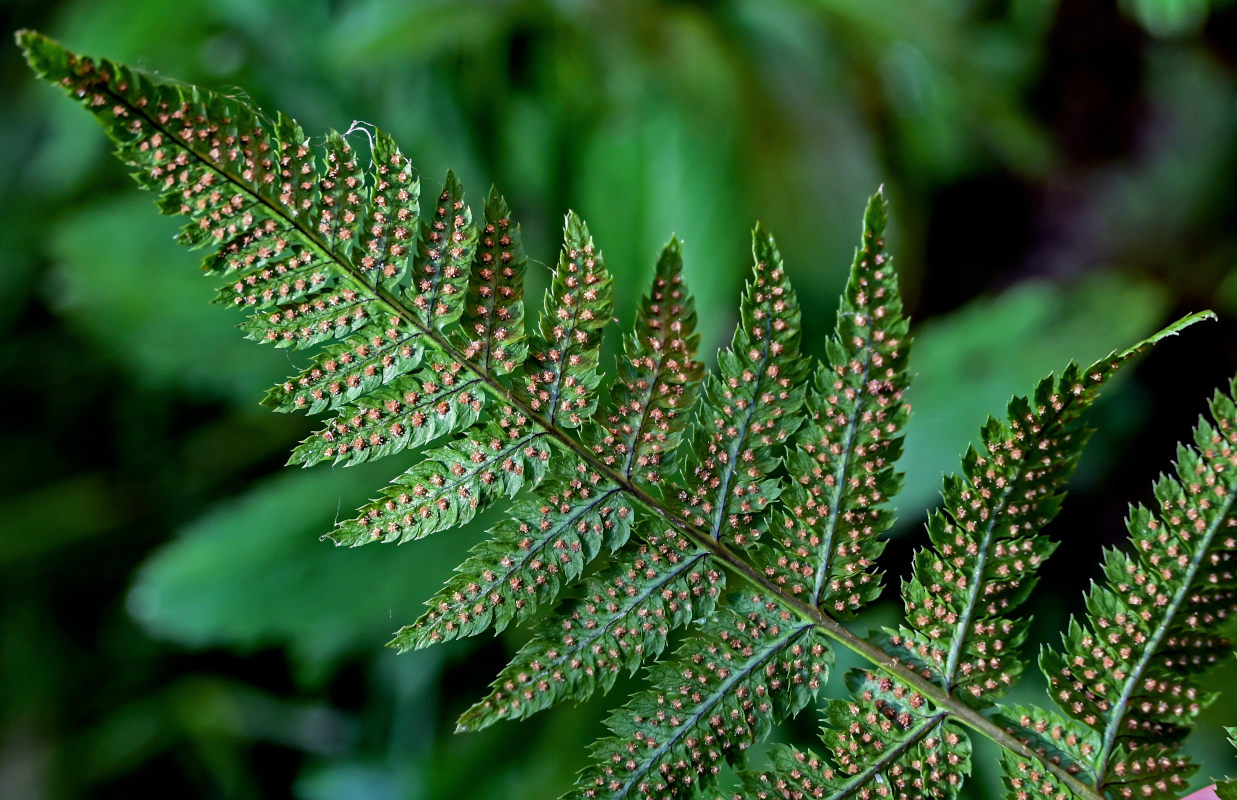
(749, 408)
(1130, 671)
(751, 665)
(987, 541)
(752, 542)
(887, 741)
(842, 469)
(624, 616)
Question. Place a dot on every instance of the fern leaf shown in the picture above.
(388, 224)
(887, 741)
(411, 411)
(987, 543)
(1131, 670)
(493, 319)
(658, 377)
(843, 464)
(341, 373)
(414, 327)
(443, 262)
(750, 407)
(561, 376)
(623, 617)
(548, 540)
(267, 274)
(329, 314)
(748, 667)
(452, 483)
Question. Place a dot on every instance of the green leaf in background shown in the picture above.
(253, 574)
(99, 251)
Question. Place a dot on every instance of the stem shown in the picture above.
(831, 628)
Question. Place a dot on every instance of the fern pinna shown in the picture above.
(716, 526)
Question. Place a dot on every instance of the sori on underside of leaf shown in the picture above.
(713, 524)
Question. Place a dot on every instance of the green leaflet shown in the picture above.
(886, 741)
(330, 314)
(623, 616)
(493, 321)
(750, 406)
(1130, 671)
(410, 411)
(658, 377)
(451, 484)
(561, 374)
(751, 665)
(444, 256)
(389, 221)
(842, 468)
(340, 373)
(1053, 734)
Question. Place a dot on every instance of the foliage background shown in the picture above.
(1062, 182)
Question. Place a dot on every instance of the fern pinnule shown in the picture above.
(752, 664)
(749, 408)
(1129, 672)
(889, 741)
(493, 321)
(441, 397)
(842, 467)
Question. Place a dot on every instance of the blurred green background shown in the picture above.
(1061, 177)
